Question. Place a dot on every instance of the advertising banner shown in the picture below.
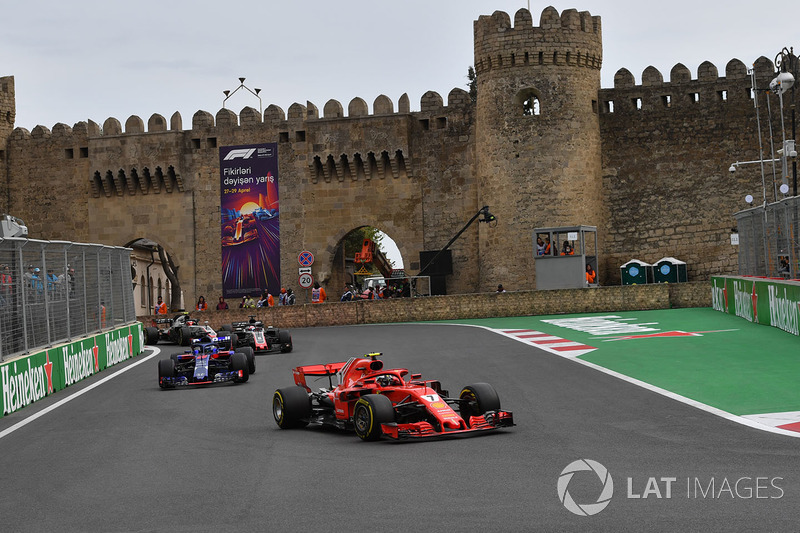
(27, 379)
(250, 232)
(766, 301)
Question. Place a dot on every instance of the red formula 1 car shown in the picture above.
(376, 402)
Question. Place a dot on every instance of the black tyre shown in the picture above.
(239, 364)
(291, 407)
(370, 411)
(166, 369)
(185, 336)
(226, 327)
(151, 335)
(251, 357)
(477, 399)
(285, 340)
(234, 341)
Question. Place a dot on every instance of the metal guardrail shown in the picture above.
(55, 291)
(769, 238)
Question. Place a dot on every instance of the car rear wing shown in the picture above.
(326, 370)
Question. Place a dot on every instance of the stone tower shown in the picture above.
(538, 148)
(7, 117)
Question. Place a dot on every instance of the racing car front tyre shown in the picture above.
(286, 341)
(151, 335)
(370, 411)
(251, 358)
(291, 407)
(239, 364)
(166, 369)
(477, 399)
(234, 341)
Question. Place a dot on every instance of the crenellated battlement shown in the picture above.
(430, 103)
(682, 91)
(571, 39)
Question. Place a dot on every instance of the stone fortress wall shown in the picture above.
(647, 164)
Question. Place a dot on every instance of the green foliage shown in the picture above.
(473, 84)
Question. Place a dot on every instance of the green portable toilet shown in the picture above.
(636, 272)
(669, 270)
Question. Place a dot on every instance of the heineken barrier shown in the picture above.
(767, 301)
(31, 378)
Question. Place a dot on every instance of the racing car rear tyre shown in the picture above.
(234, 341)
(286, 341)
(251, 357)
(166, 369)
(239, 363)
(226, 327)
(185, 336)
(481, 397)
(370, 411)
(151, 335)
(291, 407)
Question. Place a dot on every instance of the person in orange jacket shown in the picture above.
(318, 295)
(591, 275)
(161, 307)
(567, 250)
(201, 304)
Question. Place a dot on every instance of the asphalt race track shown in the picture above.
(127, 456)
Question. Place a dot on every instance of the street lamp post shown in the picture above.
(254, 92)
(786, 63)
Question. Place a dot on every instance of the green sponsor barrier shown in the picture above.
(30, 378)
(766, 301)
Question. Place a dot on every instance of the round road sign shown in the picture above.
(305, 258)
(305, 280)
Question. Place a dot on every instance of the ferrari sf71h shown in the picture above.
(394, 403)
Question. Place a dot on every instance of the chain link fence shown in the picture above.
(768, 240)
(56, 291)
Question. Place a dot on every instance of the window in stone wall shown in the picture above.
(300, 136)
(722, 96)
(666, 99)
(528, 102)
(637, 103)
(694, 97)
(594, 106)
(196, 144)
(2, 155)
(608, 106)
(283, 137)
(69, 154)
(441, 123)
(84, 152)
(425, 123)
(541, 58)
(211, 142)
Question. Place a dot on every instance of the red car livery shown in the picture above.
(375, 402)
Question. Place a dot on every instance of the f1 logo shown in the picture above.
(242, 153)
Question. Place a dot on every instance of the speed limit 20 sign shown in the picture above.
(305, 280)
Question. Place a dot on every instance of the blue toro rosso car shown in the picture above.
(210, 360)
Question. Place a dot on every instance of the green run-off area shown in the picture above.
(731, 364)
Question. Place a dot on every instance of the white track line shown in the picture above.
(658, 390)
(71, 397)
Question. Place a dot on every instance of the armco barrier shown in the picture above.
(32, 377)
(767, 301)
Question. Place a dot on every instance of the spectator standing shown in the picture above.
(290, 297)
(161, 307)
(539, 246)
(248, 302)
(347, 296)
(567, 250)
(500, 288)
(282, 297)
(201, 304)
(263, 301)
(318, 295)
(222, 304)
